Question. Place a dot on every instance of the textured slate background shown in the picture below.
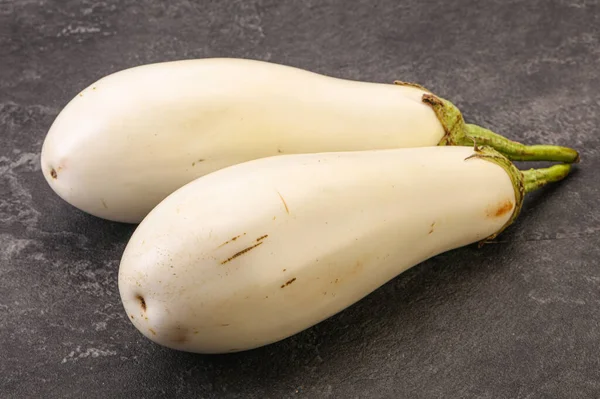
(515, 319)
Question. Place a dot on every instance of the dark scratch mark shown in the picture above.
(288, 282)
(262, 237)
(287, 210)
(431, 229)
(231, 239)
(104, 203)
(243, 251)
(142, 302)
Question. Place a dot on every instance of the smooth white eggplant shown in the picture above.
(256, 252)
(130, 139)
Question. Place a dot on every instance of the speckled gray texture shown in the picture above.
(516, 319)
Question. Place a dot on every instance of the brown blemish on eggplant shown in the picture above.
(132, 316)
(262, 237)
(179, 339)
(356, 269)
(142, 302)
(224, 325)
(53, 173)
(287, 210)
(179, 335)
(500, 210)
(152, 331)
(243, 251)
(431, 228)
(288, 282)
(198, 161)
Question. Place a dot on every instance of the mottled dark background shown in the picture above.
(516, 319)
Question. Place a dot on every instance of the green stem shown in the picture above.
(520, 152)
(534, 179)
(460, 133)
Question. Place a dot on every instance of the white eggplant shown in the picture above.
(128, 140)
(254, 253)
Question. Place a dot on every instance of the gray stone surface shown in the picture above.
(516, 319)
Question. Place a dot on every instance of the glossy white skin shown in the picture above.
(130, 139)
(354, 220)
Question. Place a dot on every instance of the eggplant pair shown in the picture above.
(270, 197)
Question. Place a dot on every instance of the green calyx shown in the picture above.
(463, 134)
(451, 119)
(523, 181)
(516, 177)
